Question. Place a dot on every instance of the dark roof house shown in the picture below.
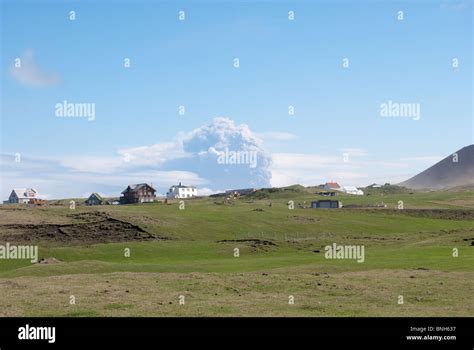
(138, 193)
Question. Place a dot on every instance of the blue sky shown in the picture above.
(190, 63)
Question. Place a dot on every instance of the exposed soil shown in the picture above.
(255, 244)
(446, 214)
(49, 261)
(104, 230)
(303, 219)
(101, 215)
(90, 216)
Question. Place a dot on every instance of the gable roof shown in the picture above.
(136, 187)
(22, 193)
(332, 184)
(98, 196)
(182, 186)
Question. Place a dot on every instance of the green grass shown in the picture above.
(186, 257)
(394, 242)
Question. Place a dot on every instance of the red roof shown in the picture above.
(332, 184)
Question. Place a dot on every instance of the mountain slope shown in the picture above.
(446, 173)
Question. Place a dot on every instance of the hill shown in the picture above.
(450, 172)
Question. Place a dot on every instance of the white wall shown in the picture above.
(182, 192)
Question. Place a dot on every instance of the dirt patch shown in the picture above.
(303, 219)
(373, 238)
(255, 244)
(90, 216)
(445, 214)
(468, 203)
(103, 231)
(49, 261)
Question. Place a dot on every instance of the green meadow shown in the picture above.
(423, 252)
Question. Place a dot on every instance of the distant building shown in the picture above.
(327, 193)
(138, 193)
(22, 196)
(326, 204)
(95, 199)
(240, 192)
(352, 190)
(331, 186)
(181, 191)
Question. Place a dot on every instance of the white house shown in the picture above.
(180, 191)
(22, 196)
(352, 190)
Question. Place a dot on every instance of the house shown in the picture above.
(327, 193)
(138, 193)
(240, 192)
(326, 203)
(22, 196)
(331, 186)
(352, 190)
(95, 199)
(181, 191)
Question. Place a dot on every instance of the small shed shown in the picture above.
(326, 203)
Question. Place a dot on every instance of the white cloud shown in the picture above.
(276, 136)
(424, 159)
(355, 152)
(29, 73)
(190, 158)
(206, 142)
(59, 181)
(205, 191)
(302, 161)
(93, 164)
(157, 154)
(359, 170)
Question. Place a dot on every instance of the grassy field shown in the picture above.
(190, 254)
